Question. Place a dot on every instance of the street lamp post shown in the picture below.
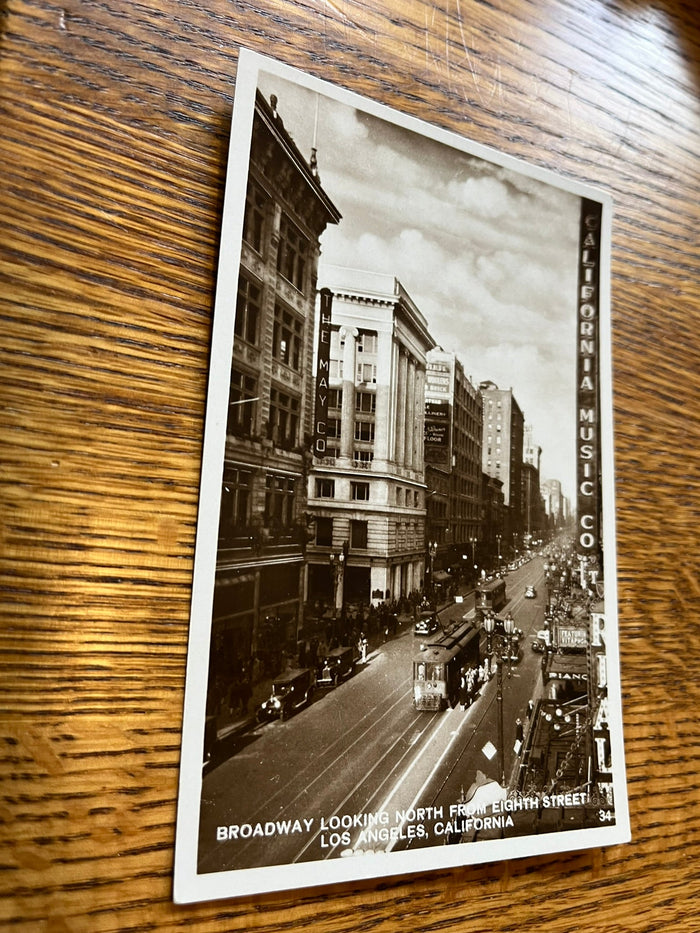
(500, 643)
(472, 541)
(498, 543)
(337, 562)
(432, 551)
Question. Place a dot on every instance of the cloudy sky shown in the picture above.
(489, 256)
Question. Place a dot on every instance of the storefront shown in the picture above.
(566, 675)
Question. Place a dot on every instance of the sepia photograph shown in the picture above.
(403, 638)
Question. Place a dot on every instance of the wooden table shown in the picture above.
(115, 120)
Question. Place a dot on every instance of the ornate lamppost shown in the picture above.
(337, 562)
(432, 551)
(500, 642)
(498, 543)
(473, 541)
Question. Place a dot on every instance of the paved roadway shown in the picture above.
(295, 790)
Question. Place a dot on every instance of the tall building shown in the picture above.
(453, 438)
(367, 489)
(553, 502)
(259, 581)
(492, 523)
(502, 456)
(534, 519)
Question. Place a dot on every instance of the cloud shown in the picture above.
(489, 255)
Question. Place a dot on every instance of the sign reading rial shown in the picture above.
(322, 371)
(588, 394)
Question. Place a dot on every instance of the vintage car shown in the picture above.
(289, 692)
(427, 623)
(515, 640)
(530, 592)
(542, 641)
(335, 665)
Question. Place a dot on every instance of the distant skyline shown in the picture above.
(488, 255)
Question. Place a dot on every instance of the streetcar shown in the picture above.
(440, 664)
(490, 596)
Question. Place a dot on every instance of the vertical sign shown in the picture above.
(322, 364)
(588, 389)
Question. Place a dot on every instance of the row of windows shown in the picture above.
(293, 253)
(283, 422)
(325, 489)
(324, 532)
(364, 372)
(407, 497)
(364, 430)
(294, 248)
(236, 501)
(288, 331)
(358, 456)
(406, 533)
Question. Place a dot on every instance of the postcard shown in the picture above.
(403, 650)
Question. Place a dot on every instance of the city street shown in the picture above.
(308, 788)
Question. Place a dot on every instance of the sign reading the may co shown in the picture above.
(322, 369)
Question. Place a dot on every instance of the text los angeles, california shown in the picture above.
(421, 823)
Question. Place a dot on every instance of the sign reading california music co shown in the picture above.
(588, 389)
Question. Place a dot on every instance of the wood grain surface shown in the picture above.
(114, 121)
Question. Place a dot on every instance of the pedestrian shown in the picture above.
(362, 644)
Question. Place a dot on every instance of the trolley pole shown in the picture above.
(499, 704)
(501, 641)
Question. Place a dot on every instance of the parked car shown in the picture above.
(289, 692)
(530, 592)
(335, 665)
(542, 641)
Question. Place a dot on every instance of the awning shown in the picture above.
(567, 667)
(441, 576)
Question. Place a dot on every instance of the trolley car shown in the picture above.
(490, 596)
(438, 667)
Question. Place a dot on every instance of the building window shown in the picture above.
(235, 502)
(293, 253)
(365, 402)
(363, 456)
(367, 343)
(366, 372)
(279, 501)
(324, 532)
(335, 398)
(288, 338)
(325, 488)
(358, 534)
(242, 404)
(360, 491)
(333, 427)
(254, 221)
(364, 430)
(336, 369)
(284, 419)
(247, 310)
